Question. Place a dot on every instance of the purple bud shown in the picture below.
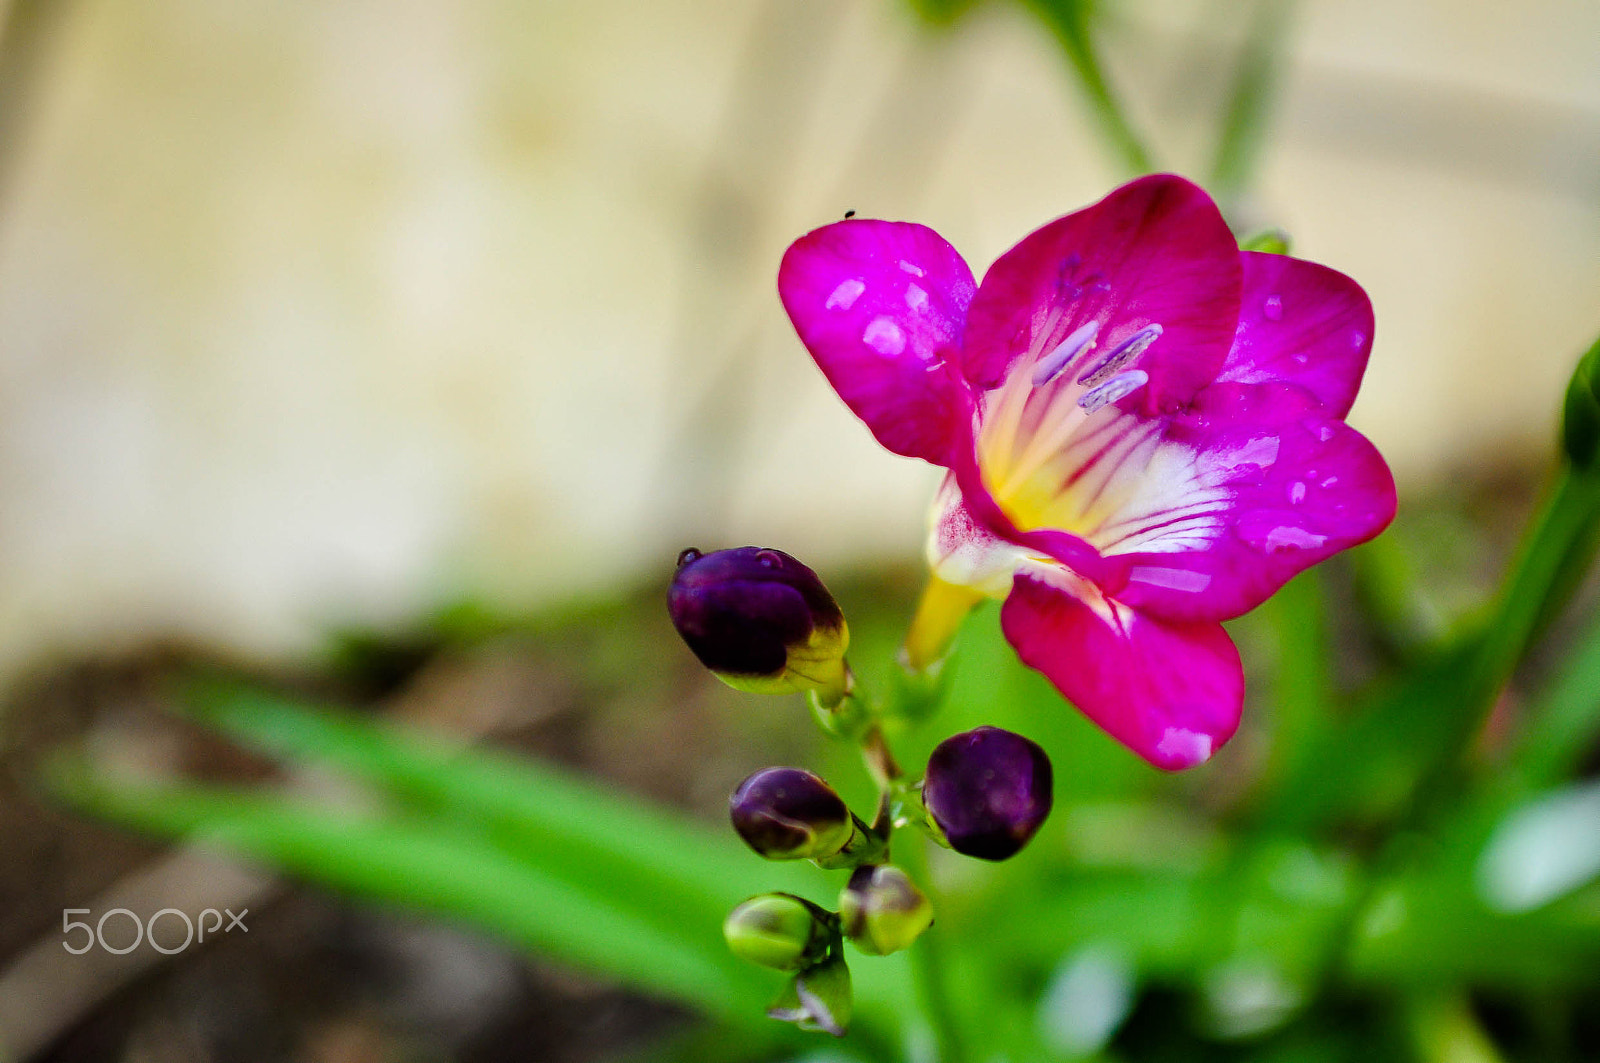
(988, 790)
(790, 814)
(761, 621)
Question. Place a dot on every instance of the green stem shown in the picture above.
(1249, 102)
(927, 964)
(1068, 20)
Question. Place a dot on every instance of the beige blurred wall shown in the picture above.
(327, 313)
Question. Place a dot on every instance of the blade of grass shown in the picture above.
(424, 866)
(612, 844)
(1406, 750)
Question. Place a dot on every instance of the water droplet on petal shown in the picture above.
(911, 268)
(1183, 748)
(769, 559)
(845, 295)
(916, 298)
(1330, 481)
(1285, 538)
(884, 336)
(691, 554)
(1297, 493)
(1325, 433)
(1272, 309)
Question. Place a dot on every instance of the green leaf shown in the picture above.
(613, 845)
(432, 867)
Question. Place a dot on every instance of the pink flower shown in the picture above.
(1144, 432)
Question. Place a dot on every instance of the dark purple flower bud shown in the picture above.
(761, 621)
(988, 790)
(790, 814)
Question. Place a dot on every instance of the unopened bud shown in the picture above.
(988, 791)
(882, 910)
(1580, 417)
(790, 814)
(778, 930)
(761, 621)
(818, 998)
(1269, 241)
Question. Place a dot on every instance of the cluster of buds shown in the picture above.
(762, 622)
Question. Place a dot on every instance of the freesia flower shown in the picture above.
(1144, 432)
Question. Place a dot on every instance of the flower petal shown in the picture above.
(881, 305)
(1301, 323)
(1250, 486)
(973, 543)
(1170, 692)
(1154, 252)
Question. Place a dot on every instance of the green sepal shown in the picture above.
(1269, 241)
(818, 998)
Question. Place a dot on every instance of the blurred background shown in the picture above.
(319, 322)
(324, 314)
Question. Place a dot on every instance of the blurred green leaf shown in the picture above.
(433, 867)
(1404, 750)
(614, 845)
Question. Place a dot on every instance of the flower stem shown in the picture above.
(927, 964)
(1069, 21)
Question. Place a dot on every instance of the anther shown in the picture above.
(1121, 355)
(1118, 387)
(1067, 352)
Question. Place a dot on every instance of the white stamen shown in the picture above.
(1121, 355)
(1118, 387)
(1064, 354)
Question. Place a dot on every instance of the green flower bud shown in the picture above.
(818, 998)
(1580, 418)
(778, 930)
(882, 910)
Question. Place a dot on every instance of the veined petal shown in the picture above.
(1171, 692)
(881, 306)
(1301, 323)
(1250, 486)
(1154, 253)
(975, 543)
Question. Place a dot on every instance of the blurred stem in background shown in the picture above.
(1254, 88)
(1242, 125)
(1069, 22)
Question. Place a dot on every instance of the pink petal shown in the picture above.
(1154, 252)
(1170, 692)
(1256, 484)
(1301, 323)
(881, 305)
